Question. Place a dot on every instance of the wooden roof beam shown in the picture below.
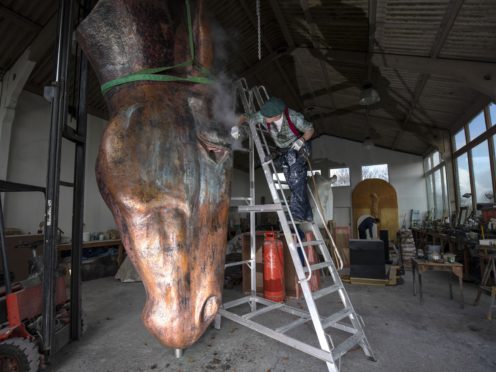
(21, 20)
(291, 45)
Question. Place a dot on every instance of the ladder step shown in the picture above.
(299, 222)
(347, 345)
(262, 311)
(292, 325)
(334, 318)
(240, 198)
(260, 208)
(241, 149)
(325, 291)
(313, 242)
(237, 263)
(318, 266)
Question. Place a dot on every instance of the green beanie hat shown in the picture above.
(273, 107)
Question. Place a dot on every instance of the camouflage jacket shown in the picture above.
(285, 137)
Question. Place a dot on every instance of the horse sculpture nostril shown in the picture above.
(210, 308)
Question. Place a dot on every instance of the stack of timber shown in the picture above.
(407, 246)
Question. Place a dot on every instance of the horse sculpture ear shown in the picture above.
(204, 53)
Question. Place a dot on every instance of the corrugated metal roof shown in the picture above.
(325, 83)
(473, 35)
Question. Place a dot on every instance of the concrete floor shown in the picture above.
(405, 336)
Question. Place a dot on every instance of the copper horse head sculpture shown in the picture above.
(164, 165)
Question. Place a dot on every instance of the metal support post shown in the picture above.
(253, 233)
(3, 249)
(78, 196)
(58, 120)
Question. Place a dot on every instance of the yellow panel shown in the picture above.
(377, 194)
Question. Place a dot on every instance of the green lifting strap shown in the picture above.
(151, 73)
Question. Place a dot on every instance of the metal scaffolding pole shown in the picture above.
(57, 93)
(3, 252)
(78, 195)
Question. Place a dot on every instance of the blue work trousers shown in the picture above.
(295, 170)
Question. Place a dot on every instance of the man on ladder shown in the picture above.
(291, 133)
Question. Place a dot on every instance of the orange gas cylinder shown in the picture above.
(273, 274)
(312, 259)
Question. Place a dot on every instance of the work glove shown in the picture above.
(235, 132)
(298, 144)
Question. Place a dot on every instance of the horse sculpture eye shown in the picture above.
(217, 153)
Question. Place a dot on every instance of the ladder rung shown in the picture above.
(240, 198)
(292, 325)
(346, 345)
(325, 291)
(318, 266)
(262, 311)
(334, 318)
(313, 242)
(241, 149)
(260, 208)
(237, 263)
(234, 303)
(301, 222)
(267, 162)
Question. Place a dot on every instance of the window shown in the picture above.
(463, 177)
(375, 171)
(492, 112)
(460, 140)
(437, 193)
(310, 174)
(494, 147)
(475, 177)
(342, 176)
(430, 192)
(436, 158)
(482, 173)
(477, 126)
(427, 164)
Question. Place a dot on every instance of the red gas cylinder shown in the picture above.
(273, 274)
(312, 259)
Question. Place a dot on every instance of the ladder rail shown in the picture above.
(339, 259)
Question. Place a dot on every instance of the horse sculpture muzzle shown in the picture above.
(164, 165)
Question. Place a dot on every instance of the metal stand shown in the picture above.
(178, 353)
(326, 352)
(485, 287)
(57, 95)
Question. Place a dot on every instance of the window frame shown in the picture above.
(430, 180)
(371, 165)
(349, 177)
(467, 148)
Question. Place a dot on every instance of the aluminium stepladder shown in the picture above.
(327, 352)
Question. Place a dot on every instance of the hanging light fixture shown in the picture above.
(368, 143)
(368, 95)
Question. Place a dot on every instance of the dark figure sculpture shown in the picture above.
(164, 166)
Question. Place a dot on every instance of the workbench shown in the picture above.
(449, 244)
(98, 244)
(420, 266)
